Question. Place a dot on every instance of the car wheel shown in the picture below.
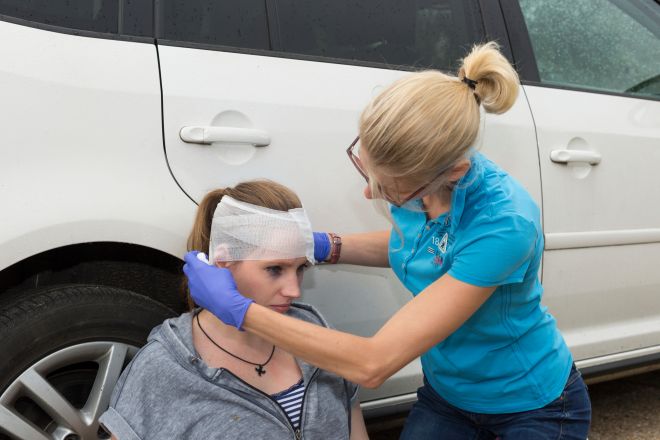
(65, 348)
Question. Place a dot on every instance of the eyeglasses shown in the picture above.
(355, 158)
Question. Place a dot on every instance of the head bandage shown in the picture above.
(242, 231)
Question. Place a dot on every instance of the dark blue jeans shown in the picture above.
(567, 417)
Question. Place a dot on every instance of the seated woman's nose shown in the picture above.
(291, 289)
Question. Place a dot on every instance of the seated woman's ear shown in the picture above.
(220, 256)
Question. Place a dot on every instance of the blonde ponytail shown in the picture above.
(496, 80)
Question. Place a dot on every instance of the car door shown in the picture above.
(277, 88)
(596, 104)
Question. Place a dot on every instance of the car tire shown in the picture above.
(65, 347)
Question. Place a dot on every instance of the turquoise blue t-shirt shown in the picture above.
(509, 356)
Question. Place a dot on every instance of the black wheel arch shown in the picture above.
(139, 269)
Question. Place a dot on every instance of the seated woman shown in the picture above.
(198, 378)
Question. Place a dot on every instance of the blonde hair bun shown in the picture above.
(497, 81)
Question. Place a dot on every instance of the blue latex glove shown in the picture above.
(322, 246)
(214, 289)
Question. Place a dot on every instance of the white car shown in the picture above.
(117, 116)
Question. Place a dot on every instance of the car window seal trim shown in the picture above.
(76, 32)
(588, 90)
(294, 56)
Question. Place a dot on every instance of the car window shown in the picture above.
(236, 23)
(90, 15)
(609, 45)
(421, 33)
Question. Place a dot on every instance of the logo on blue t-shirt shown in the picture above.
(441, 244)
(442, 247)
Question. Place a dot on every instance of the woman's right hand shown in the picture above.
(214, 289)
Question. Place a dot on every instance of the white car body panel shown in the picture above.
(87, 164)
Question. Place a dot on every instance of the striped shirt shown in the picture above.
(291, 402)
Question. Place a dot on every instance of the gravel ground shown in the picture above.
(624, 409)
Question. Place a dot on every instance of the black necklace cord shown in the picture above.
(259, 366)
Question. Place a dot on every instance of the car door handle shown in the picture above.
(209, 134)
(566, 156)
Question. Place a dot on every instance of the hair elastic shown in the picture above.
(470, 82)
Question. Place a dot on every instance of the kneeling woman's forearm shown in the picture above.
(358, 359)
(366, 249)
(423, 322)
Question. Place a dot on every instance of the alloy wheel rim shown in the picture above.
(36, 389)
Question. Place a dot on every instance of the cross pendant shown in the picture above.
(260, 370)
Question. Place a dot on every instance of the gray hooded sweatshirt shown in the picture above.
(168, 392)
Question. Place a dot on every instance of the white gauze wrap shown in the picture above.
(243, 231)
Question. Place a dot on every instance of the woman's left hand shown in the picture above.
(214, 289)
